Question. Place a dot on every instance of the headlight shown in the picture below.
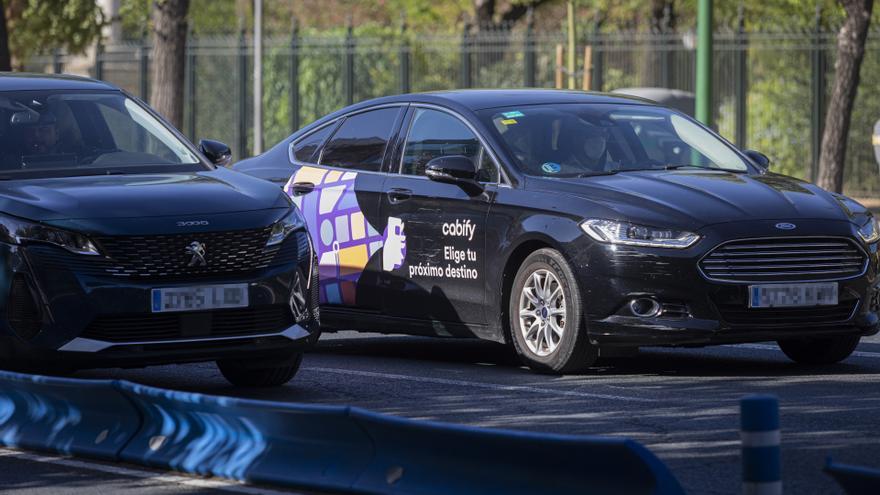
(612, 232)
(285, 226)
(870, 232)
(17, 231)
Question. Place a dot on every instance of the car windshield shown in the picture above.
(571, 140)
(53, 134)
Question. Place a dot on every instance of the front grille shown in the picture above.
(166, 256)
(784, 260)
(740, 314)
(146, 327)
(23, 312)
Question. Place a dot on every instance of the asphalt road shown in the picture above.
(681, 403)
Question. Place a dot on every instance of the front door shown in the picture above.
(434, 255)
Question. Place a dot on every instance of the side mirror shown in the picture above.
(759, 159)
(454, 169)
(219, 153)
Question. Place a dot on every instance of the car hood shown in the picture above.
(137, 196)
(693, 199)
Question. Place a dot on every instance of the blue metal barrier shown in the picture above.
(319, 447)
(855, 480)
(433, 458)
(81, 417)
(258, 441)
(761, 460)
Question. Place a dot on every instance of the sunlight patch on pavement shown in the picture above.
(484, 385)
(770, 347)
(190, 482)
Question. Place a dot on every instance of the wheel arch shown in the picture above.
(516, 255)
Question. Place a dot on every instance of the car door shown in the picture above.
(337, 184)
(434, 251)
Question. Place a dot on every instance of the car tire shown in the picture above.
(243, 374)
(829, 350)
(541, 280)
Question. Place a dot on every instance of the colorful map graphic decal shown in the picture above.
(343, 238)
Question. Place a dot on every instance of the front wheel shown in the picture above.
(546, 318)
(252, 373)
(827, 350)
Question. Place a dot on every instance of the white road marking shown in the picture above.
(484, 385)
(203, 483)
(768, 347)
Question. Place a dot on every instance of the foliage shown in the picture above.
(37, 26)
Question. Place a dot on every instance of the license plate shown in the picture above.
(792, 295)
(199, 298)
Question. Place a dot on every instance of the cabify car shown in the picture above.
(569, 224)
(124, 245)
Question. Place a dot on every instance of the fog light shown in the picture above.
(644, 307)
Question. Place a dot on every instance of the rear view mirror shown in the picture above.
(758, 158)
(218, 153)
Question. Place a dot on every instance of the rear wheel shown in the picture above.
(546, 319)
(254, 373)
(828, 350)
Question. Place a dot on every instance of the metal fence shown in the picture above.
(770, 87)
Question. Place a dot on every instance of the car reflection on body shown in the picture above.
(123, 245)
(569, 224)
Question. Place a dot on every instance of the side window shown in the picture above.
(303, 150)
(361, 140)
(487, 171)
(434, 133)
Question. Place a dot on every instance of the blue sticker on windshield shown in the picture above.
(512, 115)
(551, 168)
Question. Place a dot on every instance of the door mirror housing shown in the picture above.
(218, 153)
(455, 169)
(758, 158)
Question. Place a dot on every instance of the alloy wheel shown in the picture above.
(542, 312)
(298, 305)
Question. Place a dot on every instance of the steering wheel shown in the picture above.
(92, 154)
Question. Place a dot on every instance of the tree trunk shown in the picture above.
(168, 58)
(850, 52)
(5, 58)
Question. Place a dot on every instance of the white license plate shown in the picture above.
(792, 295)
(199, 298)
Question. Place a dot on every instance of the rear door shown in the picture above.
(337, 184)
(434, 252)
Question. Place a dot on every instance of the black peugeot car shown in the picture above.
(569, 224)
(124, 245)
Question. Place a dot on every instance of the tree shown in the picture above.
(40, 25)
(487, 14)
(850, 53)
(168, 58)
(5, 57)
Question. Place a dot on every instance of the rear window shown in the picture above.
(360, 142)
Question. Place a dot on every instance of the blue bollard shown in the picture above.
(761, 461)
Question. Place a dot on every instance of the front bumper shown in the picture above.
(82, 317)
(707, 312)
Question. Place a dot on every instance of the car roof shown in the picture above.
(21, 81)
(481, 99)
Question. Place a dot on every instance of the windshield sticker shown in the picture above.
(513, 115)
(551, 168)
(508, 121)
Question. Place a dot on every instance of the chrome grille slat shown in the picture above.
(769, 253)
(857, 259)
(784, 259)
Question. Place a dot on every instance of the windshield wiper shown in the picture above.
(594, 174)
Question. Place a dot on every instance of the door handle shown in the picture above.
(397, 195)
(301, 188)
